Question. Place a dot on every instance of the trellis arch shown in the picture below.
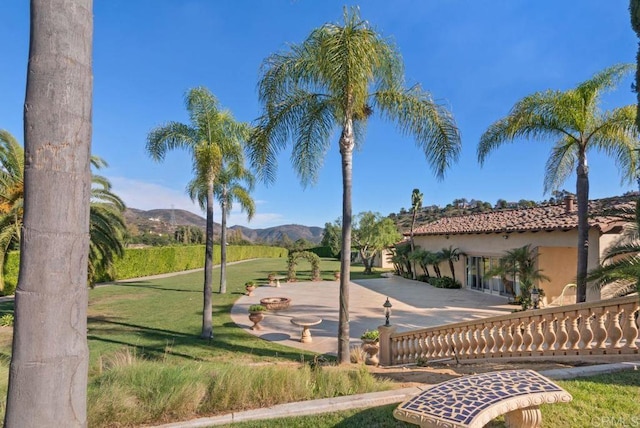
(310, 257)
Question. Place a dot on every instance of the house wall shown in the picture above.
(558, 255)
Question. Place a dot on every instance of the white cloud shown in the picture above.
(148, 196)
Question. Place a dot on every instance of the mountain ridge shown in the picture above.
(164, 221)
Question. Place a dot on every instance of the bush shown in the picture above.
(445, 282)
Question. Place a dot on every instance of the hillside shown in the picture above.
(164, 221)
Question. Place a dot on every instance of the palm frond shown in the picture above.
(432, 125)
(560, 164)
(169, 137)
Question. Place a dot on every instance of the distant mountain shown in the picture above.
(164, 221)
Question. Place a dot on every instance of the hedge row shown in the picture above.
(139, 262)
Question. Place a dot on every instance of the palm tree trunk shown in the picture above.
(582, 194)
(413, 247)
(346, 150)
(207, 322)
(223, 243)
(453, 272)
(49, 361)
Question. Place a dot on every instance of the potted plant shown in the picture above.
(370, 345)
(336, 275)
(272, 278)
(256, 314)
(250, 286)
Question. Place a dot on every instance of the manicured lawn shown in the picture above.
(148, 364)
(611, 400)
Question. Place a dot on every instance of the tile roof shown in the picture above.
(544, 218)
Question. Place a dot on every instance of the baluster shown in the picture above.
(437, 346)
(527, 337)
(482, 341)
(615, 331)
(562, 337)
(490, 340)
(464, 336)
(431, 346)
(473, 341)
(631, 329)
(499, 338)
(586, 332)
(538, 335)
(574, 332)
(600, 332)
(518, 338)
(457, 341)
(550, 335)
(394, 351)
(507, 336)
(420, 346)
(411, 349)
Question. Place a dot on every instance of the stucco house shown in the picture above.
(552, 231)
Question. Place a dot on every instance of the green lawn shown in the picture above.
(148, 365)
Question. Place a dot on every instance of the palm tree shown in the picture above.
(337, 78)
(50, 356)
(107, 227)
(227, 188)
(106, 223)
(11, 196)
(621, 261)
(416, 204)
(573, 119)
(451, 255)
(634, 11)
(213, 133)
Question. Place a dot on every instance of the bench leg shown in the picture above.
(529, 417)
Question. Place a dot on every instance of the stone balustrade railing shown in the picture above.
(591, 328)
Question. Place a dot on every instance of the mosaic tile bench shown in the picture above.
(473, 401)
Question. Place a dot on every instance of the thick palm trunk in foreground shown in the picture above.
(48, 374)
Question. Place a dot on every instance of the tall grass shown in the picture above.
(131, 391)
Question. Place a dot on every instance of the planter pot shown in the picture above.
(336, 276)
(250, 289)
(255, 318)
(371, 348)
(275, 303)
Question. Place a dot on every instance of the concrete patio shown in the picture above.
(415, 305)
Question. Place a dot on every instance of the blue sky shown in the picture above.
(478, 58)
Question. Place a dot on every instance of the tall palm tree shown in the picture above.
(416, 204)
(575, 122)
(50, 356)
(228, 188)
(337, 78)
(212, 134)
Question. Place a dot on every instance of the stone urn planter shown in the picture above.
(336, 275)
(275, 303)
(256, 315)
(371, 346)
(250, 287)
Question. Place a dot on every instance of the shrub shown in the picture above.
(257, 308)
(6, 320)
(370, 335)
(445, 282)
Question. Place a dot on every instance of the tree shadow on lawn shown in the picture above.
(6, 307)
(147, 284)
(227, 338)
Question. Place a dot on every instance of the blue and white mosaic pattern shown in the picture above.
(460, 400)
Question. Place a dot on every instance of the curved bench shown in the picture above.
(472, 401)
